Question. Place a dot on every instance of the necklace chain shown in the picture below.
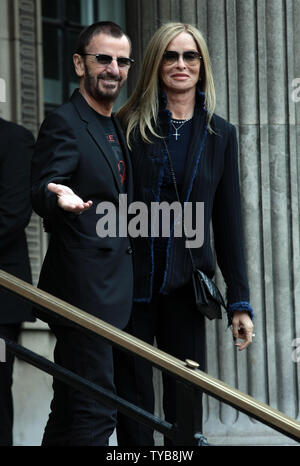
(177, 128)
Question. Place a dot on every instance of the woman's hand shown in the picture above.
(67, 199)
(242, 329)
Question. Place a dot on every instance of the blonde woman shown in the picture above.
(170, 116)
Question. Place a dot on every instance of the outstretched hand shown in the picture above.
(67, 199)
(242, 329)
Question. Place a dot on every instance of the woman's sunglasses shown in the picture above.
(190, 57)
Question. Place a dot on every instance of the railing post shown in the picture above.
(187, 416)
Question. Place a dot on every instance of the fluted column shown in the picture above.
(255, 52)
(25, 96)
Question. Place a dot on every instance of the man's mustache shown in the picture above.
(111, 77)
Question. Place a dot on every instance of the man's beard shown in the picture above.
(108, 95)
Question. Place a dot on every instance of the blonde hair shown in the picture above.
(141, 109)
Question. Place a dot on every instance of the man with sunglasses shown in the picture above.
(81, 160)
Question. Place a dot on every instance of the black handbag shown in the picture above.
(208, 298)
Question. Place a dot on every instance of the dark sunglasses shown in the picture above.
(102, 59)
(189, 57)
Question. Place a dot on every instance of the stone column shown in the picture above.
(255, 52)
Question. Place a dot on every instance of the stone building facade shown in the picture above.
(255, 52)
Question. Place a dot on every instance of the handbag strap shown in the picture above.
(173, 177)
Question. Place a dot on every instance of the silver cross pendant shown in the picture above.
(176, 134)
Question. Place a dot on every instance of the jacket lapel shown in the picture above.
(97, 133)
(195, 152)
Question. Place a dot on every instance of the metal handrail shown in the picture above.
(95, 391)
(210, 385)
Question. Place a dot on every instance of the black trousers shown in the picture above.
(76, 418)
(11, 331)
(180, 331)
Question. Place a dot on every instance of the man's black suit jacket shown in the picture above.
(92, 273)
(16, 149)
